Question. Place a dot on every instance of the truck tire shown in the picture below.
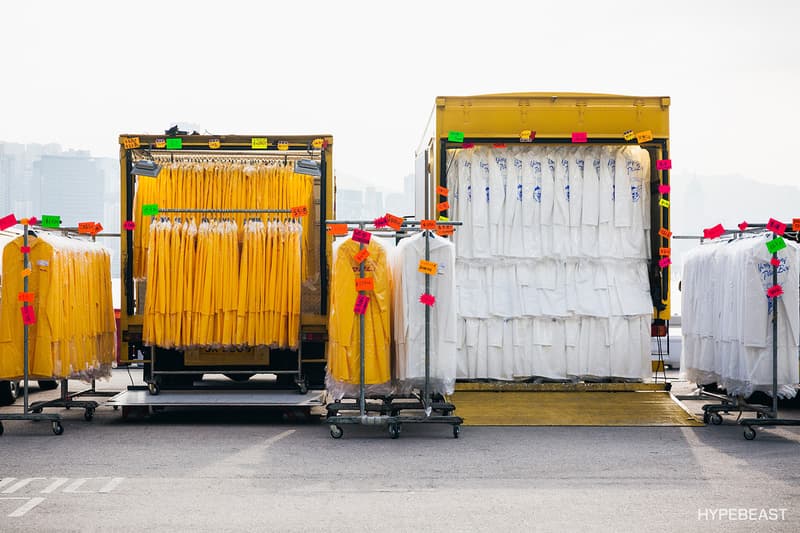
(47, 384)
(8, 392)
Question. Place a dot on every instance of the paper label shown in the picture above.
(428, 267)
(361, 256)
(129, 225)
(427, 299)
(644, 136)
(51, 221)
(427, 224)
(796, 224)
(499, 145)
(775, 291)
(665, 252)
(160, 143)
(663, 189)
(359, 235)
(743, 225)
(259, 143)
(283, 146)
(466, 146)
(442, 191)
(365, 284)
(663, 202)
(579, 137)
(713, 233)
(664, 232)
(129, 143)
(317, 144)
(455, 136)
(7, 221)
(25, 249)
(150, 210)
(174, 143)
(214, 144)
(25, 297)
(394, 222)
(776, 245)
(33, 221)
(299, 211)
(362, 301)
(776, 226)
(664, 164)
(628, 135)
(443, 206)
(337, 229)
(665, 262)
(26, 272)
(28, 315)
(527, 136)
(380, 222)
(86, 227)
(444, 230)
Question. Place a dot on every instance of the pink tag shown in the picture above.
(33, 221)
(380, 222)
(743, 225)
(665, 262)
(25, 249)
(579, 137)
(359, 235)
(362, 301)
(129, 225)
(775, 262)
(427, 299)
(713, 233)
(28, 315)
(468, 145)
(664, 164)
(776, 227)
(775, 291)
(663, 189)
(7, 221)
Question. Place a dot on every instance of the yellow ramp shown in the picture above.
(641, 408)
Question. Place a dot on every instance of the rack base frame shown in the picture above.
(54, 419)
(765, 416)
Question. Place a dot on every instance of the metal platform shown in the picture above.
(217, 398)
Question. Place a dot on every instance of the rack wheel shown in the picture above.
(37, 411)
(706, 418)
(749, 433)
(153, 388)
(456, 431)
(116, 407)
(88, 414)
(58, 429)
(394, 431)
(1, 428)
(716, 419)
(302, 387)
(336, 432)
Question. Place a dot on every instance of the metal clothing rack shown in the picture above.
(390, 412)
(27, 412)
(300, 381)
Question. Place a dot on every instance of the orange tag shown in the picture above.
(283, 145)
(26, 272)
(160, 143)
(365, 284)
(214, 144)
(796, 224)
(443, 206)
(337, 229)
(361, 256)
(129, 143)
(664, 252)
(299, 211)
(394, 222)
(644, 136)
(86, 227)
(428, 267)
(97, 228)
(427, 224)
(664, 232)
(444, 230)
(442, 191)
(25, 297)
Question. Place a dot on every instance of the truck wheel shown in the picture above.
(47, 384)
(8, 392)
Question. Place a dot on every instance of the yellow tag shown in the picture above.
(317, 143)
(130, 143)
(663, 202)
(26, 272)
(259, 143)
(214, 144)
(160, 143)
(629, 135)
(283, 145)
(443, 219)
(428, 267)
(644, 136)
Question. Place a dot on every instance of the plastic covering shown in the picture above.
(727, 316)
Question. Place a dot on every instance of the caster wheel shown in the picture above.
(58, 429)
(302, 388)
(394, 431)
(38, 410)
(456, 431)
(749, 433)
(116, 407)
(153, 388)
(716, 419)
(336, 432)
(88, 414)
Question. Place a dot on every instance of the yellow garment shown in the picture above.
(74, 334)
(344, 324)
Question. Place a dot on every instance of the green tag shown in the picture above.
(455, 136)
(776, 244)
(259, 143)
(174, 144)
(150, 210)
(51, 221)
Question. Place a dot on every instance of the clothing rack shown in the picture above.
(300, 381)
(27, 412)
(389, 410)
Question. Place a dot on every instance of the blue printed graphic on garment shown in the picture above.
(612, 166)
(633, 166)
(613, 192)
(566, 192)
(517, 163)
(552, 165)
(469, 193)
(519, 192)
(487, 194)
(765, 270)
(537, 194)
(485, 169)
(580, 163)
(596, 163)
(536, 166)
(502, 163)
(635, 193)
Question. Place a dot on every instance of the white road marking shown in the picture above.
(19, 484)
(72, 488)
(6, 481)
(55, 484)
(254, 454)
(33, 502)
(113, 484)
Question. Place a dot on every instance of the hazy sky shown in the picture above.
(80, 73)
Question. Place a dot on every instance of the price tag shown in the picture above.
(283, 146)
(28, 315)
(796, 224)
(776, 245)
(664, 164)
(51, 221)
(628, 135)
(664, 189)
(665, 252)
(259, 143)
(25, 297)
(665, 262)
(97, 228)
(317, 144)
(160, 143)
(362, 301)
(713, 233)
(743, 225)
(129, 225)
(359, 235)
(7, 221)
(337, 229)
(443, 206)
(442, 191)
(644, 136)
(527, 136)
(444, 230)
(443, 219)
(129, 143)
(775, 291)
(664, 232)
(394, 222)
(33, 221)
(361, 256)
(150, 210)
(466, 146)
(299, 211)
(775, 262)
(455, 136)
(86, 227)
(776, 226)
(663, 202)
(579, 137)
(25, 249)
(214, 144)
(499, 145)
(427, 224)
(380, 222)
(174, 143)
(365, 284)
(27, 272)
(427, 299)
(428, 267)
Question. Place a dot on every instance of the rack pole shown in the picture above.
(25, 264)
(774, 342)
(425, 398)
(361, 399)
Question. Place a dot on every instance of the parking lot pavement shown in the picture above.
(254, 469)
